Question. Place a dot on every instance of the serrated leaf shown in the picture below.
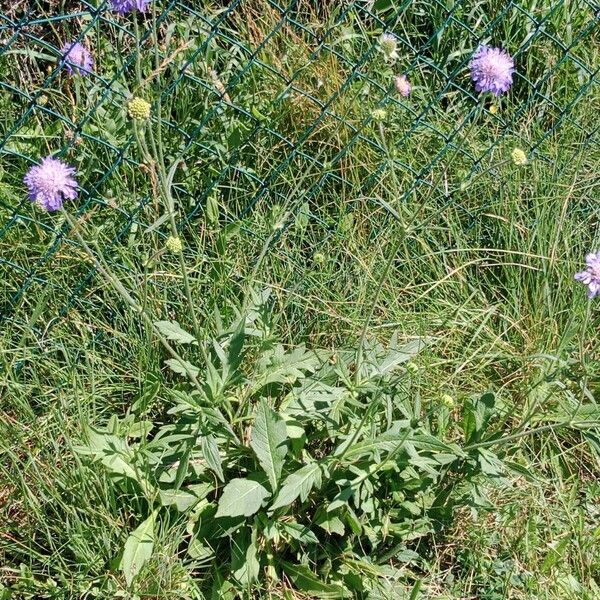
(297, 484)
(172, 330)
(286, 368)
(176, 366)
(269, 441)
(138, 548)
(241, 497)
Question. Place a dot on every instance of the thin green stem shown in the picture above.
(534, 431)
(113, 280)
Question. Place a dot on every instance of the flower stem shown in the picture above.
(113, 280)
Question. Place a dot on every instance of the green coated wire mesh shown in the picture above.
(267, 103)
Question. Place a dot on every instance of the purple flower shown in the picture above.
(77, 58)
(126, 6)
(591, 275)
(492, 70)
(402, 85)
(50, 182)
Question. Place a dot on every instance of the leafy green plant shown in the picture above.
(286, 462)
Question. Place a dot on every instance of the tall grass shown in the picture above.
(418, 227)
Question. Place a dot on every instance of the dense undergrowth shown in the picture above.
(377, 376)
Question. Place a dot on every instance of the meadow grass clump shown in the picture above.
(291, 300)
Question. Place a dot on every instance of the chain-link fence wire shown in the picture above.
(257, 66)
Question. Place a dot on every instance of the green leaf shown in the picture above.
(173, 331)
(241, 497)
(245, 566)
(331, 523)
(257, 114)
(212, 208)
(181, 499)
(297, 484)
(138, 548)
(269, 441)
(308, 582)
(278, 366)
(299, 532)
(176, 366)
(382, 5)
(210, 450)
(490, 464)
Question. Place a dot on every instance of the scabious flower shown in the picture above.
(448, 401)
(591, 275)
(389, 46)
(174, 244)
(492, 70)
(50, 182)
(402, 85)
(138, 109)
(519, 157)
(379, 114)
(125, 6)
(76, 58)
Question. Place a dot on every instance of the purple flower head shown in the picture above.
(591, 275)
(77, 58)
(50, 182)
(402, 85)
(125, 6)
(492, 70)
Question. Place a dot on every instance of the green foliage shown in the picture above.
(138, 548)
(283, 457)
(458, 458)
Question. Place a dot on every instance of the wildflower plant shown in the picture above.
(492, 70)
(590, 276)
(77, 59)
(402, 85)
(138, 109)
(312, 465)
(50, 183)
(128, 6)
(389, 47)
(519, 157)
(174, 244)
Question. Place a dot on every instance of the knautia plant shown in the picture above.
(402, 85)
(51, 183)
(590, 276)
(389, 47)
(77, 59)
(284, 455)
(138, 109)
(519, 157)
(127, 6)
(492, 70)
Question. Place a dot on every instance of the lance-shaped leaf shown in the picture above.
(138, 548)
(297, 484)
(269, 441)
(172, 330)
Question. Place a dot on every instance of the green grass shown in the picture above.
(484, 269)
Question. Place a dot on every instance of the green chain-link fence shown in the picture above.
(253, 91)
